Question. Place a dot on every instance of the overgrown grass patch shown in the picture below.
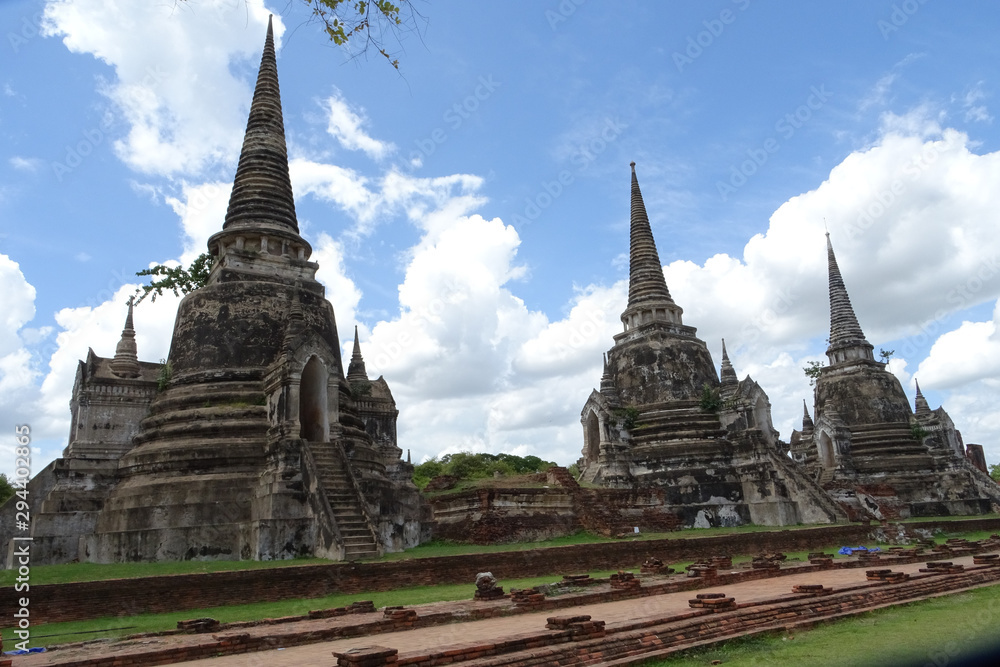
(930, 632)
(70, 572)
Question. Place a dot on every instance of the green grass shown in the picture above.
(70, 572)
(931, 632)
(113, 627)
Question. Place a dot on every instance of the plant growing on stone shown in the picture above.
(813, 369)
(361, 388)
(166, 371)
(628, 416)
(177, 279)
(918, 432)
(885, 355)
(710, 400)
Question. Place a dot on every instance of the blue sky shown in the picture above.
(470, 213)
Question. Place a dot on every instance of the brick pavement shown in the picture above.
(176, 648)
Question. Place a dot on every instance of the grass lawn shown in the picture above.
(931, 632)
(57, 574)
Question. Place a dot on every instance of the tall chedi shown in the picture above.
(659, 419)
(253, 448)
(865, 445)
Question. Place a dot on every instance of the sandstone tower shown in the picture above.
(663, 418)
(867, 447)
(249, 442)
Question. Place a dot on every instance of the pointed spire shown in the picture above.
(922, 407)
(807, 422)
(356, 370)
(608, 388)
(262, 192)
(646, 282)
(729, 379)
(648, 296)
(847, 340)
(126, 361)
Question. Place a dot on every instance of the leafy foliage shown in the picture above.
(347, 20)
(995, 471)
(812, 371)
(6, 488)
(361, 388)
(710, 400)
(166, 372)
(466, 465)
(918, 432)
(628, 415)
(885, 355)
(177, 279)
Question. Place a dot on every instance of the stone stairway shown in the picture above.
(359, 541)
(792, 474)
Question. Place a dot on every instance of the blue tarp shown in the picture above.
(847, 551)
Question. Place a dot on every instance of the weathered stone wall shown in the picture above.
(65, 602)
(660, 367)
(862, 395)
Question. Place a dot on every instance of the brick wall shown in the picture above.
(125, 597)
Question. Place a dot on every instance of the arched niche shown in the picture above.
(824, 450)
(313, 413)
(592, 436)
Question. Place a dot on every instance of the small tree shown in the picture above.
(885, 355)
(6, 488)
(995, 471)
(177, 279)
(812, 371)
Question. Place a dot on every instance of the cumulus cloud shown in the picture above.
(99, 327)
(18, 370)
(345, 124)
(967, 354)
(175, 86)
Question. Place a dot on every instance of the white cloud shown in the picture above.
(99, 327)
(175, 87)
(345, 123)
(202, 209)
(18, 372)
(340, 289)
(969, 353)
(29, 164)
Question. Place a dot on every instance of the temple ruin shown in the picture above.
(871, 452)
(250, 442)
(663, 418)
